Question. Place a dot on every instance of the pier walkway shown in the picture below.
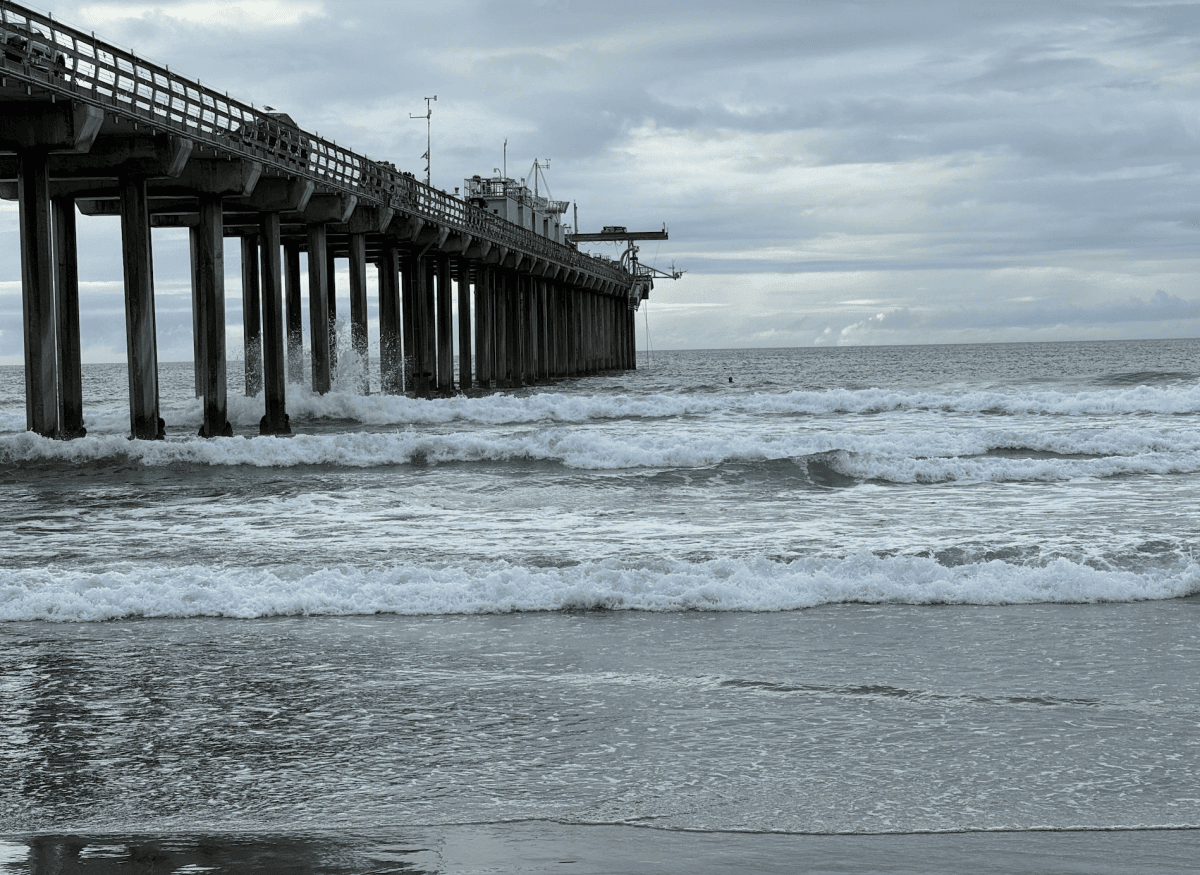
(88, 127)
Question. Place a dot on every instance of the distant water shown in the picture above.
(867, 601)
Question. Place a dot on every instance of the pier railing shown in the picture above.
(41, 51)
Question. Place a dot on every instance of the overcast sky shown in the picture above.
(831, 173)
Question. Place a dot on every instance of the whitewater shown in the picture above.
(825, 592)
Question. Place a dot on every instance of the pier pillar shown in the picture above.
(496, 320)
(331, 299)
(358, 309)
(208, 272)
(410, 294)
(251, 315)
(275, 419)
(295, 317)
(543, 317)
(519, 328)
(529, 335)
(483, 371)
(37, 293)
(198, 360)
(465, 377)
(504, 334)
(318, 308)
(140, 334)
(426, 329)
(391, 351)
(445, 327)
(66, 306)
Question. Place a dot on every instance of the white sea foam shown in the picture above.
(498, 587)
(555, 407)
(968, 454)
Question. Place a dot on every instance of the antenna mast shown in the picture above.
(428, 133)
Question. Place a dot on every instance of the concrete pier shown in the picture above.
(120, 136)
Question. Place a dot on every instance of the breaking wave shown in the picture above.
(757, 584)
(920, 456)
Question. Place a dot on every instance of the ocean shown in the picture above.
(913, 609)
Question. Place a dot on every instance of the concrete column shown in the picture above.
(543, 329)
(66, 306)
(275, 419)
(198, 358)
(410, 297)
(500, 327)
(391, 350)
(37, 293)
(465, 376)
(295, 317)
(208, 271)
(358, 309)
(529, 336)
(331, 298)
(141, 342)
(632, 316)
(252, 314)
(483, 340)
(512, 328)
(445, 327)
(426, 364)
(318, 308)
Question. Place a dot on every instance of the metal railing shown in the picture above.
(39, 50)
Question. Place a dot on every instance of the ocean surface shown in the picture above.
(919, 609)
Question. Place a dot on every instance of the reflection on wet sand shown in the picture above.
(270, 855)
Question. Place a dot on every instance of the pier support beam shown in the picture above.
(411, 292)
(37, 293)
(331, 298)
(484, 370)
(66, 305)
(295, 317)
(425, 364)
(140, 334)
(275, 419)
(445, 327)
(358, 310)
(318, 308)
(251, 315)
(465, 377)
(208, 273)
(391, 364)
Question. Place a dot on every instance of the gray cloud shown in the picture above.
(1049, 149)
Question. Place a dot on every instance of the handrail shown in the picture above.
(76, 64)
